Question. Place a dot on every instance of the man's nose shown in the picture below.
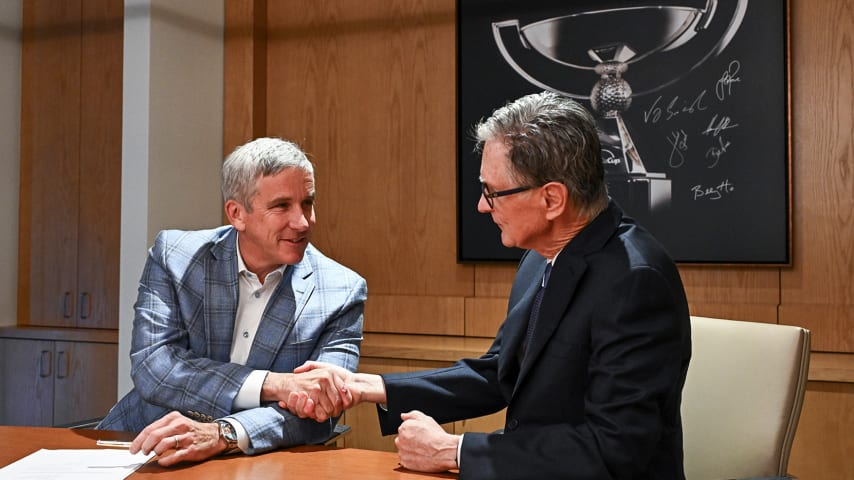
(483, 205)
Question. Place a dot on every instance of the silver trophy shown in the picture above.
(649, 42)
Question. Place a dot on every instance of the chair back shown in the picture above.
(742, 398)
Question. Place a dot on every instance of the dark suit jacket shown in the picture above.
(598, 394)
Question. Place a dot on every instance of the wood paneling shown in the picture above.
(245, 82)
(823, 441)
(484, 315)
(819, 290)
(494, 280)
(832, 325)
(414, 314)
(437, 348)
(832, 367)
(368, 89)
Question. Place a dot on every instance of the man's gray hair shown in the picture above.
(551, 138)
(259, 158)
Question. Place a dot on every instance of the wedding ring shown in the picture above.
(177, 445)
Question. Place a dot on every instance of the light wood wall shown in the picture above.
(368, 88)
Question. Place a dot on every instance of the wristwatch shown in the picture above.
(229, 434)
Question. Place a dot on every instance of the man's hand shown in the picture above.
(315, 390)
(188, 440)
(424, 446)
(353, 388)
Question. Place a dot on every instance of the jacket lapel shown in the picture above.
(566, 273)
(564, 279)
(282, 313)
(220, 302)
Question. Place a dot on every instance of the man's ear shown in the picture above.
(555, 196)
(235, 213)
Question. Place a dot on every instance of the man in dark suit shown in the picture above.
(591, 358)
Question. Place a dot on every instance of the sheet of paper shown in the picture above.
(101, 464)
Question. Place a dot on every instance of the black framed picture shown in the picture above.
(692, 104)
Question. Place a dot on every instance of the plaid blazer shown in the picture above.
(183, 328)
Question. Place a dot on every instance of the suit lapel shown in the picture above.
(515, 326)
(281, 314)
(564, 279)
(220, 302)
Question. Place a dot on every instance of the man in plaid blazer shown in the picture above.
(224, 315)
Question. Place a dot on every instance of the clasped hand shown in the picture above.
(314, 390)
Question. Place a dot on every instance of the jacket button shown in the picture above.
(512, 424)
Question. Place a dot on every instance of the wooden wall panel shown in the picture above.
(823, 441)
(819, 289)
(494, 280)
(245, 82)
(740, 293)
(368, 89)
(484, 315)
(432, 315)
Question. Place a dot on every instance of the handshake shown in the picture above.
(321, 391)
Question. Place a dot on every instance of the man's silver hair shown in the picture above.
(259, 158)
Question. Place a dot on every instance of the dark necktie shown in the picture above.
(535, 312)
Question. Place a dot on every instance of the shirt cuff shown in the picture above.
(249, 395)
(460, 449)
(242, 435)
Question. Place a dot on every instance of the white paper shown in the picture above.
(101, 464)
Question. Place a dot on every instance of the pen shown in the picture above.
(112, 443)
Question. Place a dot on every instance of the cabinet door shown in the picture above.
(100, 164)
(71, 131)
(50, 150)
(26, 377)
(85, 381)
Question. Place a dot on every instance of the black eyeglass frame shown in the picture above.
(501, 193)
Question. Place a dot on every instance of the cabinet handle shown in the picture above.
(45, 363)
(67, 305)
(85, 305)
(61, 364)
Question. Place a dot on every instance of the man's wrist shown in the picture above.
(275, 387)
(372, 388)
(228, 435)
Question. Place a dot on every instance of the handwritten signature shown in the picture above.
(712, 193)
(723, 87)
(678, 140)
(716, 152)
(676, 106)
(717, 126)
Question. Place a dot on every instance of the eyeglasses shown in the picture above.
(502, 193)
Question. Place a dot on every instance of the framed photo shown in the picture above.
(692, 104)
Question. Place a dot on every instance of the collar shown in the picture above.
(241, 265)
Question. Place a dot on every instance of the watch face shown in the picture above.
(226, 430)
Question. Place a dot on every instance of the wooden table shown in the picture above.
(314, 462)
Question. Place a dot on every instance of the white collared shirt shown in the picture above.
(253, 297)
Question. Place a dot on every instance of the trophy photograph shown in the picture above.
(678, 90)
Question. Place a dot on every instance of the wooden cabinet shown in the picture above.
(53, 377)
(70, 202)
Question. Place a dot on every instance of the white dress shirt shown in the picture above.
(252, 300)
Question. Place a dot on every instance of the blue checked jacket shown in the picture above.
(183, 329)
